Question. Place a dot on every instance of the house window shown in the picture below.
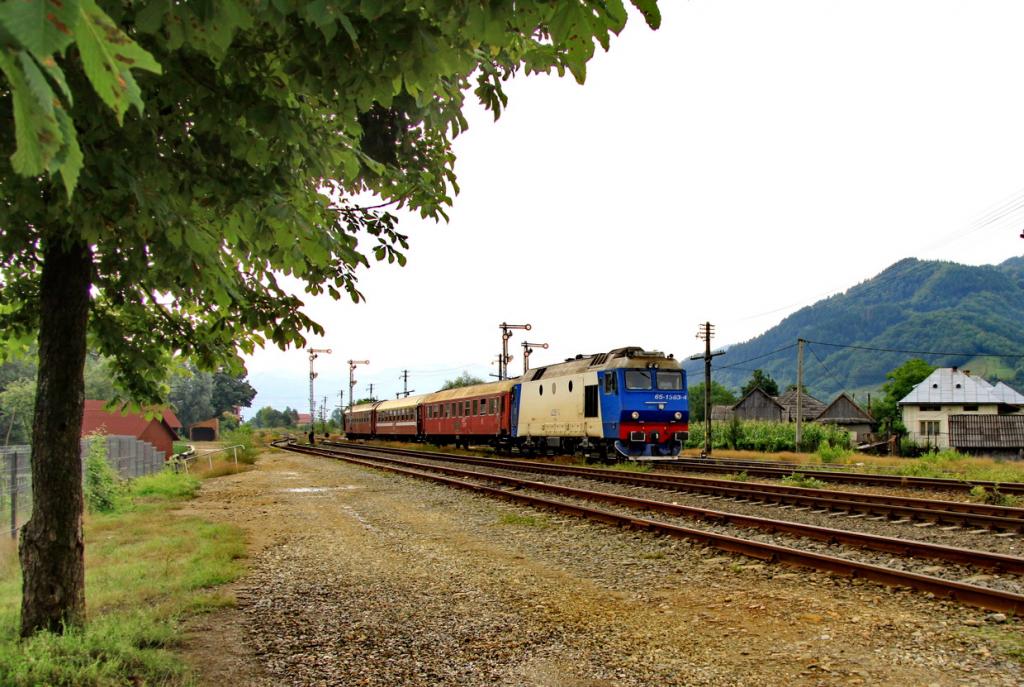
(971, 408)
(930, 407)
(929, 428)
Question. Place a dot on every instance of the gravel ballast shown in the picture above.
(358, 577)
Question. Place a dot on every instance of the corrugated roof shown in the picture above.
(950, 385)
(986, 431)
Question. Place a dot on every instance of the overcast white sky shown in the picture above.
(747, 159)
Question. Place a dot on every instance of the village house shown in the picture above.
(953, 409)
(758, 405)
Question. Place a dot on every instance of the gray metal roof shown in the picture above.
(986, 431)
(950, 385)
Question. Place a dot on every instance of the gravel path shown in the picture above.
(362, 578)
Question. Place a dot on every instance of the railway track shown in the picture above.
(904, 510)
(755, 469)
(577, 502)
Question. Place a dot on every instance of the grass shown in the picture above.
(145, 570)
(523, 520)
(631, 466)
(737, 476)
(1007, 639)
(798, 480)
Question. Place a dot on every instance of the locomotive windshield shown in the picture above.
(670, 380)
(638, 379)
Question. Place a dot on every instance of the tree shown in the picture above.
(464, 379)
(901, 381)
(197, 395)
(720, 396)
(241, 131)
(760, 380)
(16, 403)
(268, 417)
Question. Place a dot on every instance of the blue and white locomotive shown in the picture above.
(628, 401)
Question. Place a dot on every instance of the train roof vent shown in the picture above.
(538, 373)
(598, 359)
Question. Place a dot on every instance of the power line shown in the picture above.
(822, 363)
(757, 357)
(900, 350)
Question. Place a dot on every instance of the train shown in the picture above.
(628, 402)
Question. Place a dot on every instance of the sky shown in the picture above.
(747, 159)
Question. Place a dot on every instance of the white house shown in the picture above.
(940, 408)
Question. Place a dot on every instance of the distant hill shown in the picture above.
(913, 305)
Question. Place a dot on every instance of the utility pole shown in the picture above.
(705, 332)
(799, 393)
(313, 354)
(352, 380)
(323, 414)
(371, 391)
(506, 334)
(527, 350)
(405, 386)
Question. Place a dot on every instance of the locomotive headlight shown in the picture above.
(678, 416)
(635, 415)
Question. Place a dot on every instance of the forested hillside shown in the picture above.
(913, 305)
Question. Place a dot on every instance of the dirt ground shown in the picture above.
(357, 577)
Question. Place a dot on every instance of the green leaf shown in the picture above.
(649, 8)
(42, 26)
(49, 64)
(108, 56)
(151, 17)
(73, 160)
(36, 133)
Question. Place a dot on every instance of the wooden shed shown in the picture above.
(846, 413)
(991, 435)
(758, 405)
(207, 430)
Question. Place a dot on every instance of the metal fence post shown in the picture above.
(13, 457)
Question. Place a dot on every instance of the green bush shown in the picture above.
(243, 435)
(104, 491)
(166, 484)
(771, 437)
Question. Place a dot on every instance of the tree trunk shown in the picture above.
(52, 548)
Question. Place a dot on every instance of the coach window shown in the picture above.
(483, 406)
(476, 406)
(467, 412)
(493, 406)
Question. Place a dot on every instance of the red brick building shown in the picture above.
(159, 431)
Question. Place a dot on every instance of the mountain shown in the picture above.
(914, 305)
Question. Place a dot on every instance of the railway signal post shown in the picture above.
(527, 350)
(506, 334)
(313, 354)
(352, 379)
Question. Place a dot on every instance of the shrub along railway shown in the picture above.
(475, 480)
(759, 469)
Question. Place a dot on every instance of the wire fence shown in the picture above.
(128, 456)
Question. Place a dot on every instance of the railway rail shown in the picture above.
(906, 509)
(901, 481)
(518, 490)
